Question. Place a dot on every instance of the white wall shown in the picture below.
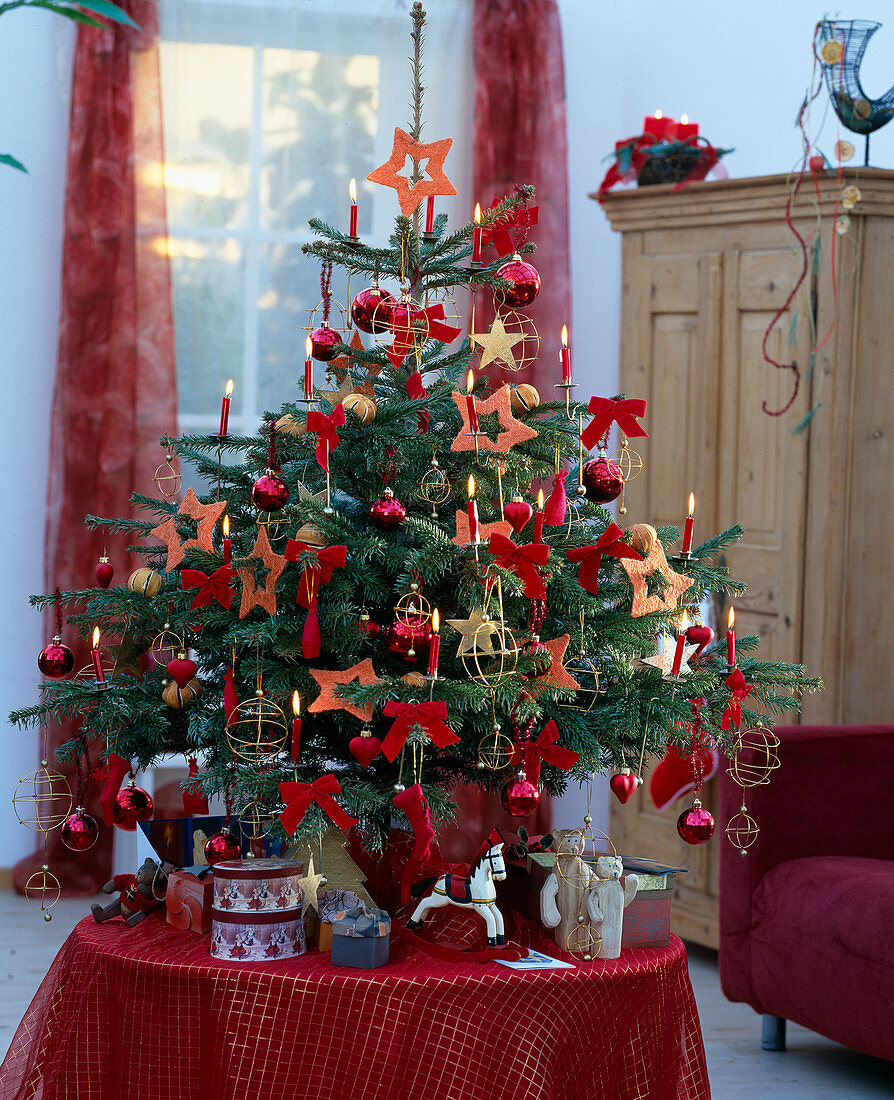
(35, 79)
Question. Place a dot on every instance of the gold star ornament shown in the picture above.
(654, 562)
(476, 632)
(310, 886)
(497, 344)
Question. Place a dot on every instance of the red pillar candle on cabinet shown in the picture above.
(434, 646)
(429, 214)
(681, 642)
(686, 129)
(472, 511)
(658, 126)
(688, 526)
(352, 229)
(97, 658)
(538, 519)
(476, 236)
(470, 402)
(227, 542)
(565, 356)
(308, 371)
(225, 409)
(296, 726)
(731, 638)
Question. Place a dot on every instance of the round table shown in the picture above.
(145, 1013)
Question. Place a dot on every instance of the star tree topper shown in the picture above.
(512, 431)
(409, 196)
(637, 571)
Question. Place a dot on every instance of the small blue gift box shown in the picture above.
(361, 937)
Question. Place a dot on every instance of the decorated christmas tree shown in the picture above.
(406, 579)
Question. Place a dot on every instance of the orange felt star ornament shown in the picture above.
(274, 563)
(410, 196)
(556, 677)
(637, 571)
(512, 431)
(485, 530)
(205, 515)
(363, 673)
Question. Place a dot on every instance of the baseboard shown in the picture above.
(5, 878)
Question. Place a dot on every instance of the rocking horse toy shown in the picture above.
(476, 892)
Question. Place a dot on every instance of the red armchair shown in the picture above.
(806, 917)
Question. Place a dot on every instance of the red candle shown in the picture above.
(686, 129)
(538, 519)
(353, 224)
(476, 236)
(296, 726)
(308, 371)
(681, 642)
(225, 409)
(227, 542)
(688, 525)
(97, 658)
(470, 402)
(658, 126)
(429, 213)
(731, 639)
(565, 356)
(434, 646)
(472, 509)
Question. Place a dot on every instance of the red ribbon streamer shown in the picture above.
(606, 412)
(414, 805)
(497, 233)
(590, 557)
(406, 335)
(416, 390)
(231, 699)
(194, 802)
(326, 427)
(740, 688)
(523, 560)
(556, 508)
(115, 770)
(313, 578)
(213, 587)
(428, 716)
(529, 755)
(299, 796)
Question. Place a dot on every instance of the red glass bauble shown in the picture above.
(524, 280)
(79, 831)
(55, 659)
(387, 512)
(323, 341)
(269, 493)
(409, 637)
(518, 513)
(699, 635)
(695, 825)
(602, 480)
(371, 309)
(132, 804)
(535, 659)
(623, 785)
(520, 797)
(222, 846)
(103, 572)
(817, 163)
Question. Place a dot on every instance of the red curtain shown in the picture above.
(520, 139)
(115, 392)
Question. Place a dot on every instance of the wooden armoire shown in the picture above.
(705, 269)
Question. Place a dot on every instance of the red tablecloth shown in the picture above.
(147, 1014)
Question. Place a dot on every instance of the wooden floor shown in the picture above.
(811, 1069)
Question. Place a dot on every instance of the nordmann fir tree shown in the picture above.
(348, 629)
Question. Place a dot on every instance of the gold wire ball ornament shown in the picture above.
(583, 941)
(88, 672)
(629, 460)
(168, 478)
(412, 606)
(592, 841)
(742, 830)
(419, 328)
(586, 673)
(42, 800)
(339, 318)
(255, 820)
(754, 756)
(492, 657)
(43, 890)
(495, 751)
(434, 488)
(258, 729)
(276, 524)
(166, 645)
(513, 341)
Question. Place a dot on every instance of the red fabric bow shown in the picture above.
(299, 796)
(529, 755)
(407, 336)
(428, 716)
(740, 688)
(498, 234)
(523, 560)
(313, 578)
(416, 390)
(326, 427)
(214, 587)
(590, 557)
(605, 412)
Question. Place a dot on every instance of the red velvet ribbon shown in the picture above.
(428, 716)
(115, 770)
(529, 755)
(414, 805)
(497, 233)
(326, 427)
(416, 390)
(523, 560)
(405, 336)
(556, 508)
(194, 802)
(231, 699)
(213, 587)
(590, 557)
(299, 797)
(606, 412)
(740, 688)
(313, 578)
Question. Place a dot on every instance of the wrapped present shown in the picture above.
(361, 937)
(188, 900)
(257, 885)
(257, 937)
(331, 903)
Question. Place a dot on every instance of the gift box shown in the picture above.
(330, 904)
(257, 885)
(647, 919)
(257, 937)
(361, 937)
(188, 900)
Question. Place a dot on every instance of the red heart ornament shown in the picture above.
(699, 635)
(623, 785)
(182, 671)
(517, 513)
(364, 749)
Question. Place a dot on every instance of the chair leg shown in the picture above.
(773, 1033)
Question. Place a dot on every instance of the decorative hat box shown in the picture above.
(361, 937)
(647, 919)
(256, 910)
